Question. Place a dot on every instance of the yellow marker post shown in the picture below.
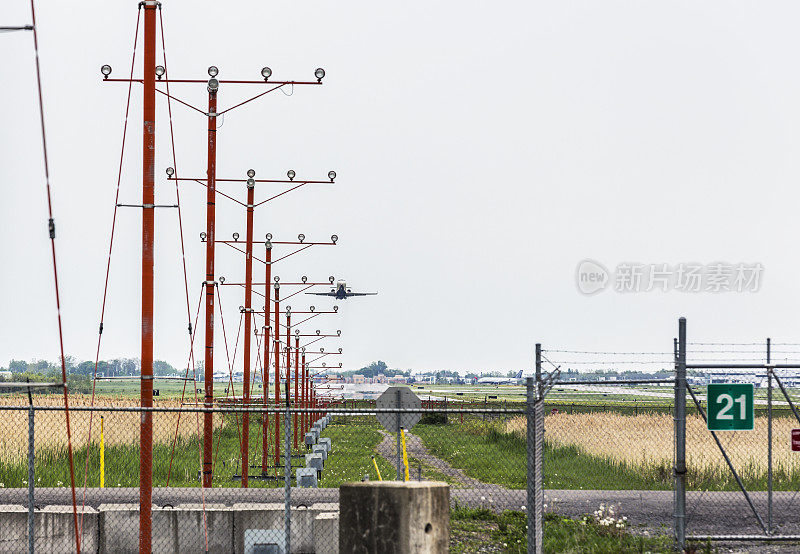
(405, 455)
(378, 471)
(102, 456)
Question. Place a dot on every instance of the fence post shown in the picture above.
(400, 467)
(680, 438)
(31, 474)
(287, 475)
(769, 439)
(534, 413)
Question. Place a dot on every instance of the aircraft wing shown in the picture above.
(361, 293)
(323, 293)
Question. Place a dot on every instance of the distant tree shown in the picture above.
(18, 366)
(161, 367)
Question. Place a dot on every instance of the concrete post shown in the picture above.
(389, 517)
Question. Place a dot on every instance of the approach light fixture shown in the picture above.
(241, 308)
(340, 364)
(277, 279)
(318, 331)
(311, 308)
(334, 238)
(277, 285)
(340, 350)
(301, 237)
(304, 279)
(331, 175)
(160, 71)
(251, 173)
(213, 85)
(331, 279)
(290, 174)
(266, 73)
(336, 308)
(170, 171)
(203, 236)
(236, 236)
(213, 71)
(251, 183)
(106, 71)
(269, 236)
(338, 332)
(221, 279)
(324, 364)
(319, 74)
(321, 350)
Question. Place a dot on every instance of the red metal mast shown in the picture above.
(296, 379)
(276, 332)
(265, 421)
(148, 235)
(208, 417)
(248, 315)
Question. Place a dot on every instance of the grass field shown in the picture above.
(481, 530)
(350, 459)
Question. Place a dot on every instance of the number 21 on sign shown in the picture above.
(730, 407)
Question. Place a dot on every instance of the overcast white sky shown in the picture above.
(483, 150)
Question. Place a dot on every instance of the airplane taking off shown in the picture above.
(341, 292)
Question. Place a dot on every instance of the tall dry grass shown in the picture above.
(647, 441)
(119, 427)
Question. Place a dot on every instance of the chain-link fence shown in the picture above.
(479, 451)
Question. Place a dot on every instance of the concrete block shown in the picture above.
(321, 450)
(302, 530)
(255, 516)
(306, 477)
(13, 528)
(309, 439)
(174, 529)
(394, 517)
(321, 507)
(264, 541)
(315, 461)
(314, 431)
(54, 529)
(326, 533)
(326, 442)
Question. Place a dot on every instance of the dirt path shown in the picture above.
(416, 449)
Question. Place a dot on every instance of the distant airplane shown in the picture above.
(341, 292)
(500, 380)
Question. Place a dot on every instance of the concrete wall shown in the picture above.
(54, 529)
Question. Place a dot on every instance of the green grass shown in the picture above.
(351, 455)
(482, 530)
(491, 456)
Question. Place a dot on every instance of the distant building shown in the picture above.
(5, 374)
(358, 379)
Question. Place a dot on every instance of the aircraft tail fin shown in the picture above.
(519, 375)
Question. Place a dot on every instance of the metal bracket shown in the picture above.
(548, 382)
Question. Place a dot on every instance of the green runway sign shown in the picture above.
(730, 407)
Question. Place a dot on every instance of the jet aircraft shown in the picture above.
(341, 292)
